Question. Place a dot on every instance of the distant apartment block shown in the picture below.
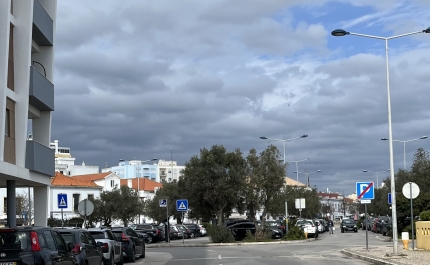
(158, 171)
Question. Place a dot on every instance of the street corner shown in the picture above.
(367, 256)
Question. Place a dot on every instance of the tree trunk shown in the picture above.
(220, 213)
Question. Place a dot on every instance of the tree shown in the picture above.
(312, 201)
(213, 182)
(171, 192)
(267, 177)
(25, 207)
(128, 205)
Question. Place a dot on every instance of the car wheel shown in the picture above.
(121, 259)
(132, 257)
(143, 252)
(341, 231)
(149, 240)
(192, 235)
(355, 231)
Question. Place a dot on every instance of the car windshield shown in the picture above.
(97, 235)
(69, 237)
(272, 224)
(117, 233)
(16, 240)
(348, 222)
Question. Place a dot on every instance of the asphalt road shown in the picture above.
(325, 250)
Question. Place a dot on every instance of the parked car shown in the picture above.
(155, 233)
(309, 225)
(111, 248)
(144, 236)
(194, 230)
(34, 245)
(132, 244)
(319, 225)
(278, 224)
(386, 226)
(87, 251)
(184, 230)
(348, 225)
(380, 223)
(203, 231)
(240, 229)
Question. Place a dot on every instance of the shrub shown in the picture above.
(425, 216)
(294, 233)
(259, 236)
(359, 222)
(219, 234)
(206, 225)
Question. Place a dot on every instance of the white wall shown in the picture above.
(68, 212)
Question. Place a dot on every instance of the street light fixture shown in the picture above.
(307, 173)
(404, 146)
(340, 33)
(377, 175)
(297, 167)
(283, 141)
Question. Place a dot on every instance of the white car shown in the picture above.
(310, 227)
(202, 230)
(112, 249)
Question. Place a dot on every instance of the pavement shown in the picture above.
(384, 254)
(339, 248)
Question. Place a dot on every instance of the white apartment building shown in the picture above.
(65, 163)
(161, 171)
(27, 37)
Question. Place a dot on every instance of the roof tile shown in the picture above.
(60, 180)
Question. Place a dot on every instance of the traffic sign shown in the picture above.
(62, 201)
(181, 205)
(365, 191)
(411, 189)
(389, 198)
(163, 203)
(86, 207)
(365, 201)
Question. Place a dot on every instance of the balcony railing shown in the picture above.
(41, 91)
(40, 158)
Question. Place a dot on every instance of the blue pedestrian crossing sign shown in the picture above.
(62, 201)
(181, 205)
(365, 191)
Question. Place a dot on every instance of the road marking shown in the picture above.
(219, 256)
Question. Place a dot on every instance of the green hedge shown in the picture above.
(425, 216)
(220, 234)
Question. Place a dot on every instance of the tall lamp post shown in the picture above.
(404, 146)
(307, 173)
(284, 141)
(297, 167)
(377, 176)
(340, 33)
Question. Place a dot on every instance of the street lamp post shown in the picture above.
(377, 176)
(297, 167)
(404, 146)
(340, 33)
(284, 141)
(307, 173)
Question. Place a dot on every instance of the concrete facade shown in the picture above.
(27, 36)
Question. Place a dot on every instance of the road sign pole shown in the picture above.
(286, 217)
(412, 217)
(167, 220)
(183, 236)
(62, 218)
(365, 218)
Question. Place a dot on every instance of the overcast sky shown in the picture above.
(136, 78)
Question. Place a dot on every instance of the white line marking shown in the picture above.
(219, 256)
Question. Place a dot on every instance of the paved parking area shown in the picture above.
(325, 250)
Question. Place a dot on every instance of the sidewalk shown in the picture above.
(384, 255)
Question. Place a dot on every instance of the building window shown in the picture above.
(10, 66)
(7, 123)
(75, 201)
(112, 183)
(90, 197)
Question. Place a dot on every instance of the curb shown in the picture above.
(229, 244)
(368, 259)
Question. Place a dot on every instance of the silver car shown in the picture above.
(112, 249)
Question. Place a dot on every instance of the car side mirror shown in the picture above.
(70, 246)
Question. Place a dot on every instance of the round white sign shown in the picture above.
(86, 207)
(328, 214)
(411, 189)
